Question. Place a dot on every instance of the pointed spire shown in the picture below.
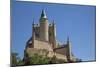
(43, 14)
(33, 29)
(69, 50)
(68, 40)
(33, 23)
(53, 22)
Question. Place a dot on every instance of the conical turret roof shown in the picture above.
(43, 14)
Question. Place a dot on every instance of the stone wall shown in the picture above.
(62, 50)
(44, 48)
(61, 56)
(38, 44)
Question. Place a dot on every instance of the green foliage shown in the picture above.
(15, 60)
(40, 59)
(53, 59)
(34, 60)
(20, 62)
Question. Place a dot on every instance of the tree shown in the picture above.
(13, 59)
(20, 62)
(16, 60)
(37, 59)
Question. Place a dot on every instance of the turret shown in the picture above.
(33, 34)
(52, 34)
(43, 26)
(69, 49)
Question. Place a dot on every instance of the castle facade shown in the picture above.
(43, 41)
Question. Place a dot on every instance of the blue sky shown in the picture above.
(75, 21)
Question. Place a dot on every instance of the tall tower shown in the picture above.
(52, 34)
(43, 26)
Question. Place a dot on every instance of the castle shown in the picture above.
(43, 41)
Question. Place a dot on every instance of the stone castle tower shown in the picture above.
(45, 31)
(43, 41)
